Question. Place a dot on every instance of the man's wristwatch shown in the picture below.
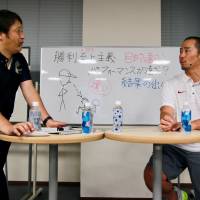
(46, 120)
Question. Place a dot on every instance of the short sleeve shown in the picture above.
(25, 72)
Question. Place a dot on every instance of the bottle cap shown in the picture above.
(185, 105)
(118, 103)
(35, 103)
(88, 105)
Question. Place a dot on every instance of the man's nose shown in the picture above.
(22, 35)
(182, 54)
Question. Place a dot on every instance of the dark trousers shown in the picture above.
(4, 147)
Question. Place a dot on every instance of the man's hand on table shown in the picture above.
(167, 123)
(18, 129)
(55, 124)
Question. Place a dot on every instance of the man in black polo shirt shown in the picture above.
(14, 72)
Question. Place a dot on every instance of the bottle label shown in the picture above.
(35, 119)
(186, 121)
(117, 119)
(87, 122)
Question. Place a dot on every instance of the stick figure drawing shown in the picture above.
(66, 81)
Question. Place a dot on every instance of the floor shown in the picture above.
(69, 192)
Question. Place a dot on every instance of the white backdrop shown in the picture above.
(72, 75)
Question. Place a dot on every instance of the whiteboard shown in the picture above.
(70, 76)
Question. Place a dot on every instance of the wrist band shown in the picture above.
(46, 120)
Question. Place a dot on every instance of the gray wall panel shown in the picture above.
(48, 23)
(179, 18)
(3, 4)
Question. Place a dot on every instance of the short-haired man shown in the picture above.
(178, 90)
(14, 72)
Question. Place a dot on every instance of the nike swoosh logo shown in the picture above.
(179, 91)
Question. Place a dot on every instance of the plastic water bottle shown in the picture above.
(117, 117)
(87, 119)
(186, 117)
(35, 115)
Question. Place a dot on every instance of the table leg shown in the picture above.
(30, 151)
(53, 171)
(31, 195)
(157, 169)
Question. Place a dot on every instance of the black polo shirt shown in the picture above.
(10, 80)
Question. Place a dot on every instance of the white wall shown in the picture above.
(121, 23)
(114, 169)
(68, 163)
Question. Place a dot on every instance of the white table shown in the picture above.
(153, 135)
(53, 141)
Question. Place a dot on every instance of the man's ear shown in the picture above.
(1, 36)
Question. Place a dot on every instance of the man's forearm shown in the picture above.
(167, 111)
(163, 113)
(195, 124)
(5, 125)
